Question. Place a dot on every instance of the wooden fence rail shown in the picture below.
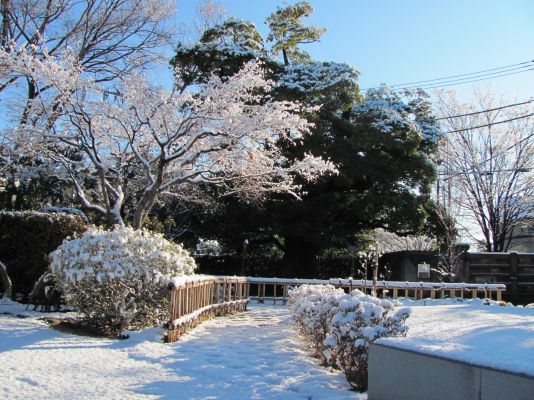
(196, 298)
(277, 289)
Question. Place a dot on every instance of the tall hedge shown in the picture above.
(26, 239)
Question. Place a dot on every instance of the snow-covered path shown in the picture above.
(253, 355)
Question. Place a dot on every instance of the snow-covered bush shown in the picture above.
(208, 248)
(116, 279)
(66, 210)
(341, 326)
(360, 319)
(311, 307)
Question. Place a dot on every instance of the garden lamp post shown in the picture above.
(375, 270)
(245, 244)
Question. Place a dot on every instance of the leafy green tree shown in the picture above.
(381, 143)
(288, 32)
(384, 179)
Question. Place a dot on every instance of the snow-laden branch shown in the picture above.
(155, 140)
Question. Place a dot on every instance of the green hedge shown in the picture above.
(26, 239)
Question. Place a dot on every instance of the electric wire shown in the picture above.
(464, 82)
(471, 169)
(490, 124)
(470, 73)
(465, 78)
(485, 111)
(493, 171)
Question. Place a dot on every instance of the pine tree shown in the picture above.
(288, 32)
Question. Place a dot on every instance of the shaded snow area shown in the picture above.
(469, 331)
(253, 355)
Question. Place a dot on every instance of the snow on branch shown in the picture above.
(317, 76)
(149, 140)
(390, 242)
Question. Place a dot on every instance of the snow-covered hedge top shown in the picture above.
(51, 216)
(121, 252)
(65, 210)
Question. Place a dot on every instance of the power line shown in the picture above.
(461, 83)
(487, 110)
(467, 76)
(491, 124)
(495, 155)
(452, 83)
(457, 76)
(485, 172)
(470, 77)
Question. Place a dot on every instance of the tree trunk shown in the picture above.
(6, 9)
(284, 55)
(143, 208)
(6, 282)
(299, 257)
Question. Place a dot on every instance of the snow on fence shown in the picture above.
(276, 289)
(196, 298)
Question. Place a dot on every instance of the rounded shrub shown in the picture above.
(341, 326)
(117, 279)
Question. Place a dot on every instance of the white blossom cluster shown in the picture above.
(340, 326)
(116, 279)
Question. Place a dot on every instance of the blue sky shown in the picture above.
(403, 41)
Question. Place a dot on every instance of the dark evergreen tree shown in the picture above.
(381, 142)
(221, 50)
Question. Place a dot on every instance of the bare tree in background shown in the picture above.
(488, 165)
(450, 250)
(208, 13)
(109, 38)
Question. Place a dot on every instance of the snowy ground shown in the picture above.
(254, 355)
(492, 336)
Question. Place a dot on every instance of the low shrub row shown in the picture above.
(26, 239)
(340, 326)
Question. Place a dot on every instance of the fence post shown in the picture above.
(513, 277)
(467, 269)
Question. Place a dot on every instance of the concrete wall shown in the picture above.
(407, 375)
